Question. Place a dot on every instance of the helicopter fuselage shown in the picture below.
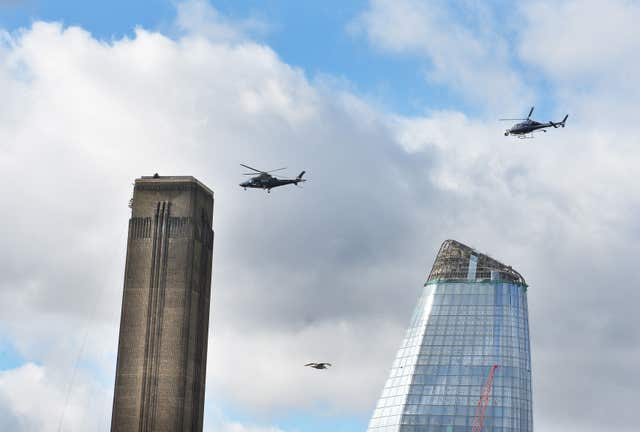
(526, 127)
(268, 182)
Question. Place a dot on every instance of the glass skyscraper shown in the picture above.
(472, 315)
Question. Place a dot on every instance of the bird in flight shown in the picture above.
(318, 365)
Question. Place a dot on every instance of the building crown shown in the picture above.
(456, 262)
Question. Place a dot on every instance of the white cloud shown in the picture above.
(587, 51)
(266, 368)
(32, 399)
(199, 17)
(217, 422)
(89, 117)
(582, 41)
(239, 427)
(474, 61)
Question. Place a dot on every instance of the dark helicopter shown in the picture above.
(319, 365)
(528, 126)
(264, 180)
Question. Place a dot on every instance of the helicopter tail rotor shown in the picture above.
(555, 125)
(299, 179)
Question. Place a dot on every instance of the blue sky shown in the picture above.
(390, 107)
(9, 356)
(315, 36)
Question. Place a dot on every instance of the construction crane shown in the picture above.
(478, 420)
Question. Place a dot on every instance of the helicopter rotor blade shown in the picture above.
(530, 112)
(279, 169)
(510, 119)
(253, 169)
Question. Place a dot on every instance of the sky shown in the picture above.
(391, 107)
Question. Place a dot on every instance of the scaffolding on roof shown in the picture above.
(452, 263)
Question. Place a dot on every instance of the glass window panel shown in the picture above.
(465, 333)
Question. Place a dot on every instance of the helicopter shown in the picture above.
(319, 365)
(264, 180)
(528, 126)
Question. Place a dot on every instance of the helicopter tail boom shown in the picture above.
(561, 123)
(299, 178)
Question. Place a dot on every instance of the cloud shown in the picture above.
(329, 272)
(267, 368)
(460, 46)
(89, 117)
(32, 399)
(218, 423)
(581, 41)
(239, 427)
(199, 17)
(569, 212)
(586, 50)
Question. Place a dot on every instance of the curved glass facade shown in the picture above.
(459, 330)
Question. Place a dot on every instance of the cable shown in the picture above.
(73, 377)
